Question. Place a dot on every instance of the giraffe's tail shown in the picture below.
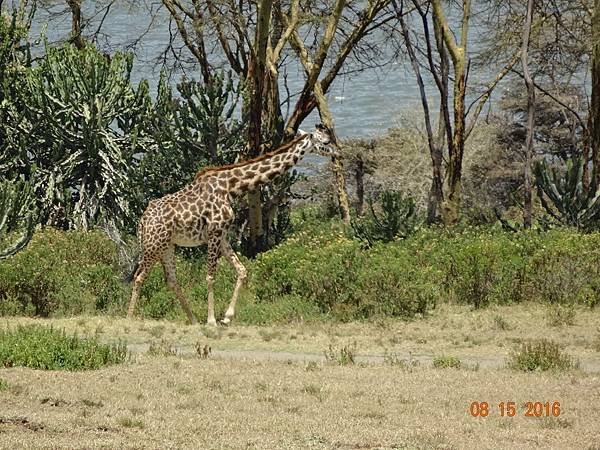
(134, 261)
(128, 278)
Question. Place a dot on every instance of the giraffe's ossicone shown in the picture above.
(201, 213)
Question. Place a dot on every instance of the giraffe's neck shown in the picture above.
(255, 173)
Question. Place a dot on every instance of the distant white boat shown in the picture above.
(339, 98)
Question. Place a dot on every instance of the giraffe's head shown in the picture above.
(323, 140)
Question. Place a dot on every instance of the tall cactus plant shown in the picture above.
(16, 213)
(85, 122)
(190, 131)
(563, 196)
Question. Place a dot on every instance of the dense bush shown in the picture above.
(473, 266)
(46, 348)
(317, 274)
(61, 273)
(541, 355)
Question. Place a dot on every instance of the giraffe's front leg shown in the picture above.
(241, 277)
(214, 252)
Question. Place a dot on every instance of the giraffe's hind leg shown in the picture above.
(214, 253)
(241, 277)
(168, 261)
(138, 279)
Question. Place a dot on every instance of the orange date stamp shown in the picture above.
(509, 409)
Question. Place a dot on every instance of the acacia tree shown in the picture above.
(530, 115)
(258, 61)
(594, 113)
(313, 67)
(564, 44)
(441, 53)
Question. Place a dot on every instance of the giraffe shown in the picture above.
(201, 213)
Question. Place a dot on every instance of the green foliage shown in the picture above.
(14, 58)
(190, 132)
(559, 315)
(397, 219)
(541, 355)
(3, 385)
(570, 204)
(473, 266)
(317, 275)
(61, 273)
(50, 349)
(332, 271)
(447, 362)
(82, 123)
(343, 356)
(16, 211)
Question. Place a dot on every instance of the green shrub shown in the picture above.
(447, 362)
(317, 273)
(540, 355)
(61, 273)
(565, 268)
(391, 282)
(343, 356)
(50, 349)
(317, 267)
(559, 315)
(397, 219)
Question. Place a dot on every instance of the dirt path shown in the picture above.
(590, 365)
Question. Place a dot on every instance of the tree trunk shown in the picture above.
(336, 163)
(359, 176)
(451, 206)
(436, 194)
(256, 77)
(530, 117)
(77, 39)
(595, 101)
(456, 146)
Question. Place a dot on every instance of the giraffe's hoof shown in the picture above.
(211, 323)
(225, 321)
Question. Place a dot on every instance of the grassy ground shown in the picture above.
(226, 401)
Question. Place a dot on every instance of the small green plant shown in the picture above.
(397, 219)
(312, 366)
(447, 362)
(562, 195)
(560, 315)
(3, 385)
(343, 356)
(540, 355)
(128, 422)
(395, 360)
(314, 391)
(162, 348)
(500, 323)
(50, 349)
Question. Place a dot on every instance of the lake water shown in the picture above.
(363, 104)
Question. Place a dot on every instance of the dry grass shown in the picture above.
(450, 330)
(167, 400)
(170, 402)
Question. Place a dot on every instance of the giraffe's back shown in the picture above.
(185, 217)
